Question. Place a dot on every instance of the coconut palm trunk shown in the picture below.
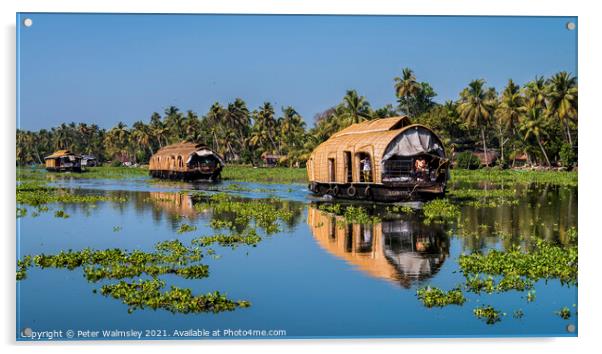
(568, 133)
(544, 152)
(484, 146)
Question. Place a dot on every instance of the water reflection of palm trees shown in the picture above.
(401, 251)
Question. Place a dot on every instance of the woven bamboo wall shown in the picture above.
(372, 137)
(174, 157)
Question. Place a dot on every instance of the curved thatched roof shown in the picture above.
(176, 156)
(380, 138)
(59, 153)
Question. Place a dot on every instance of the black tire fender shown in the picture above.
(351, 191)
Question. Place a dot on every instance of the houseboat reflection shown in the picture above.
(402, 251)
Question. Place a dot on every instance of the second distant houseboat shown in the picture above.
(186, 161)
(63, 161)
(386, 159)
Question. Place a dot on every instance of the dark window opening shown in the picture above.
(348, 169)
(332, 232)
(207, 163)
(349, 238)
(421, 168)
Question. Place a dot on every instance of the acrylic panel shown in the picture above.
(185, 176)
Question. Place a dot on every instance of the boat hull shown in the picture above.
(196, 175)
(378, 192)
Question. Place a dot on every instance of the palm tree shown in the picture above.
(510, 109)
(475, 107)
(174, 122)
(117, 141)
(264, 127)
(533, 125)
(191, 127)
(355, 108)
(214, 121)
(238, 120)
(535, 93)
(562, 100)
(158, 129)
(406, 86)
(142, 136)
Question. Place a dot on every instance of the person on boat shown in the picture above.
(366, 168)
(420, 168)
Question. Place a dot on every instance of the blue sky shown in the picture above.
(108, 68)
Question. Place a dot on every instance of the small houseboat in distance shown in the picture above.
(62, 161)
(387, 159)
(186, 161)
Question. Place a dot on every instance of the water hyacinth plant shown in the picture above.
(432, 297)
(36, 194)
(440, 210)
(147, 294)
(487, 313)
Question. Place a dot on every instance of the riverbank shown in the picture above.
(285, 175)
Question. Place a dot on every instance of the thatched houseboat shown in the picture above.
(62, 161)
(386, 159)
(186, 161)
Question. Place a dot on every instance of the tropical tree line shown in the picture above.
(537, 120)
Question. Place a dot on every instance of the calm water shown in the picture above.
(316, 278)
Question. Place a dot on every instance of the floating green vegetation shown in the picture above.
(249, 238)
(101, 172)
(484, 198)
(487, 313)
(350, 213)
(171, 257)
(531, 296)
(22, 265)
(359, 215)
(514, 269)
(230, 212)
(36, 194)
(147, 294)
(186, 228)
(440, 210)
(477, 284)
(513, 176)
(431, 297)
(518, 314)
(564, 313)
(21, 212)
(265, 175)
(545, 261)
(400, 209)
(117, 228)
(61, 214)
